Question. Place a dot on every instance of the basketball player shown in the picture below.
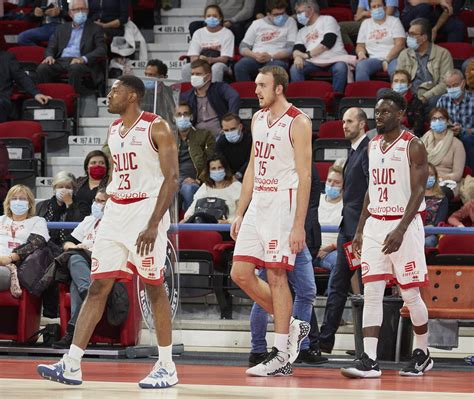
(275, 189)
(132, 237)
(390, 235)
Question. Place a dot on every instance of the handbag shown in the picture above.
(212, 206)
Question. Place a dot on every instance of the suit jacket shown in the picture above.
(12, 72)
(92, 45)
(356, 180)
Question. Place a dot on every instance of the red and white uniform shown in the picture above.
(389, 194)
(264, 234)
(135, 185)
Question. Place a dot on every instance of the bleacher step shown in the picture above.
(80, 146)
(181, 16)
(167, 51)
(178, 34)
(44, 187)
(74, 165)
(96, 127)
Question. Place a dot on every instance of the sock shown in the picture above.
(370, 347)
(165, 354)
(281, 342)
(421, 342)
(75, 353)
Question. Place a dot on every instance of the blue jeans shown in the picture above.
(338, 69)
(80, 272)
(431, 241)
(247, 68)
(302, 281)
(187, 191)
(32, 37)
(369, 66)
(328, 263)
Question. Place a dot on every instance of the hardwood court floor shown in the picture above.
(118, 380)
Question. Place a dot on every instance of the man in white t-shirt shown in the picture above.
(382, 37)
(318, 41)
(268, 41)
(213, 43)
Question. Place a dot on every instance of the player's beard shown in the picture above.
(380, 129)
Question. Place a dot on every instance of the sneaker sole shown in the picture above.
(64, 381)
(420, 373)
(268, 375)
(354, 373)
(150, 386)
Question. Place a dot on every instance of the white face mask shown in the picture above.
(60, 193)
(197, 81)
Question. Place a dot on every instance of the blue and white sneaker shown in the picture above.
(66, 371)
(163, 375)
(299, 330)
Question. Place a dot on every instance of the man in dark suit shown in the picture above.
(356, 177)
(75, 48)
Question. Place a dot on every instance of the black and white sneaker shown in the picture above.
(420, 363)
(299, 330)
(276, 364)
(364, 367)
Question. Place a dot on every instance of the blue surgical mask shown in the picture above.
(280, 20)
(378, 13)
(149, 84)
(97, 210)
(438, 126)
(183, 122)
(430, 182)
(454, 92)
(79, 17)
(302, 18)
(401, 88)
(217, 175)
(332, 192)
(212, 22)
(232, 136)
(412, 43)
(19, 207)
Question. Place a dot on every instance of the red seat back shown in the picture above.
(24, 129)
(28, 53)
(245, 89)
(323, 170)
(339, 13)
(61, 91)
(309, 89)
(366, 88)
(198, 240)
(331, 130)
(459, 51)
(453, 244)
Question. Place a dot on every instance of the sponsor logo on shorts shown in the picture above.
(364, 267)
(148, 262)
(272, 245)
(409, 267)
(284, 259)
(94, 265)
(410, 271)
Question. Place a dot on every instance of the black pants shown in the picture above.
(5, 109)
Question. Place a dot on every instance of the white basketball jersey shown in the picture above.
(136, 173)
(274, 168)
(389, 176)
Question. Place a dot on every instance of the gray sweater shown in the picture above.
(235, 10)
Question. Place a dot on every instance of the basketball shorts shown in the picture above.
(114, 253)
(407, 266)
(264, 235)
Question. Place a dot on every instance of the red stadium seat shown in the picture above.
(331, 130)
(366, 88)
(312, 89)
(24, 129)
(339, 13)
(323, 170)
(467, 171)
(10, 30)
(61, 91)
(245, 89)
(467, 16)
(459, 51)
(33, 54)
(453, 244)
(183, 86)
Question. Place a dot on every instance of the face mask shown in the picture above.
(217, 175)
(97, 210)
(97, 172)
(438, 126)
(79, 18)
(412, 43)
(233, 136)
(183, 122)
(332, 192)
(212, 22)
(60, 193)
(149, 84)
(280, 20)
(401, 88)
(197, 81)
(378, 13)
(454, 92)
(430, 182)
(302, 18)
(19, 207)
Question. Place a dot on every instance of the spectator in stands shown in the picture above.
(442, 14)
(350, 29)
(76, 263)
(50, 13)
(268, 41)
(464, 217)
(110, 15)
(330, 214)
(445, 151)
(382, 37)
(318, 46)
(96, 166)
(62, 206)
(74, 49)
(414, 118)
(195, 147)
(459, 103)
(218, 182)
(234, 144)
(236, 15)
(4, 173)
(209, 100)
(11, 72)
(213, 43)
(21, 233)
(426, 63)
(165, 102)
(469, 73)
(436, 205)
